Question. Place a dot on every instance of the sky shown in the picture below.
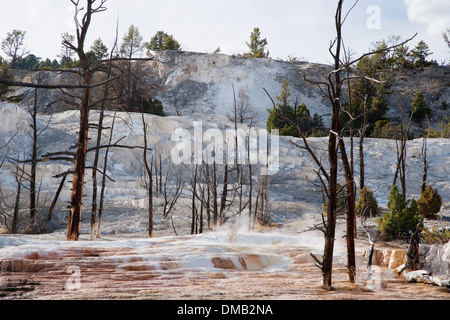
(293, 28)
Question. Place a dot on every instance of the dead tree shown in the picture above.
(4, 207)
(193, 186)
(400, 171)
(243, 111)
(171, 193)
(413, 253)
(30, 176)
(19, 176)
(424, 158)
(250, 176)
(103, 184)
(262, 204)
(204, 193)
(198, 193)
(35, 151)
(223, 197)
(100, 129)
(332, 90)
(148, 170)
(362, 135)
(86, 73)
(73, 226)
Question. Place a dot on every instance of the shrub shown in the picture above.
(420, 107)
(290, 115)
(435, 236)
(403, 218)
(429, 202)
(153, 106)
(367, 203)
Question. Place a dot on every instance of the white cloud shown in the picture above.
(434, 13)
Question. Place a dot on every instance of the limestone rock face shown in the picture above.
(390, 258)
(436, 258)
(200, 84)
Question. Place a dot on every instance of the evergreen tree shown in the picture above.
(257, 45)
(30, 62)
(14, 46)
(276, 119)
(365, 91)
(367, 205)
(430, 202)
(286, 118)
(67, 55)
(446, 36)
(5, 74)
(161, 41)
(403, 218)
(46, 64)
(420, 54)
(99, 50)
(132, 43)
(318, 126)
(153, 106)
(420, 108)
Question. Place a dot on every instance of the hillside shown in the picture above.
(201, 85)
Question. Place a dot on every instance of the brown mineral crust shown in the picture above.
(111, 273)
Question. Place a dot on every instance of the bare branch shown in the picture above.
(54, 86)
(381, 50)
(317, 263)
(64, 174)
(114, 145)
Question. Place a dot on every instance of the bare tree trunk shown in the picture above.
(76, 203)
(103, 185)
(171, 194)
(330, 227)
(208, 196)
(351, 216)
(214, 195)
(16, 212)
(201, 219)
(97, 151)
(55, 199)
(400, 171)
(413, 254)
(33, 157)
(361, 146)
(250, 176)
(424, 158)
(150, 179)
(94, 173)
(223, 197)
(194, 207)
